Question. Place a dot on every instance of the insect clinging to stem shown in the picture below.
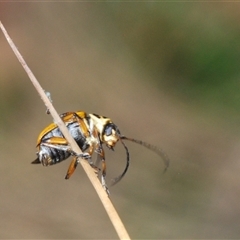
(90, 131)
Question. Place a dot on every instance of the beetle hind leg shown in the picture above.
(75, 162)
(72, 167)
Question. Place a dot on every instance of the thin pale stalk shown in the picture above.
(112, 213)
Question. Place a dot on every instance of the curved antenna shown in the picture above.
(117, 179)
(152, 148)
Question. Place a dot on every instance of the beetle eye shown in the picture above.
(111, 129)
(108, 130)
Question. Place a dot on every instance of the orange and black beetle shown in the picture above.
(90, 131)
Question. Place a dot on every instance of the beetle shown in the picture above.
(90, 131)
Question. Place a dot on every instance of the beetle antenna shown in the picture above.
(152, 148)
(117, 179)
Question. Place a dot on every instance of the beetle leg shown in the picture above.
(44, 156)
(90, 161)
(75, 162)
(72, 167)
(101, 153)
(97, 161)
(62, 144)
(56, 140)
(56, 146)
(59, 143)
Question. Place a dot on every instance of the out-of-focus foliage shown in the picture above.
(192, 49)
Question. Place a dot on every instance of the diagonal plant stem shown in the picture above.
(112, 213)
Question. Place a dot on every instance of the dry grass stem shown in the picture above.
(113, 215)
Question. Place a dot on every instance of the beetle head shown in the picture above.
(110, 135)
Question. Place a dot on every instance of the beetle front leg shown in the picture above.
(103, 176)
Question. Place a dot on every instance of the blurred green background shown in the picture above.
(165, 73)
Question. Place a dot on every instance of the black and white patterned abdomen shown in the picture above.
(56, 153)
